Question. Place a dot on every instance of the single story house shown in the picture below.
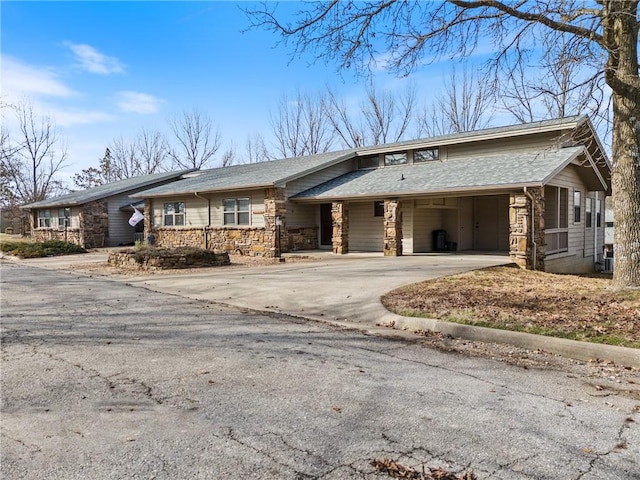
(535, 191)
(95, 217)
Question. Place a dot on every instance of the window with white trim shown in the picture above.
(577, 204)
(173, 214)
(237, 211)
(44, 218)
(587, 213)
(64, 217)
(556, 219)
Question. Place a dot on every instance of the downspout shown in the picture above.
(533, 233)
(205, 232)
(595, 232)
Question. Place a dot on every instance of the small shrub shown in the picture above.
(40, 249)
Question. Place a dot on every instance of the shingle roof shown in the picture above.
(500, 170)
(251, 175)
(107, 190)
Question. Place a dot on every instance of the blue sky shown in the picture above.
(107, 69)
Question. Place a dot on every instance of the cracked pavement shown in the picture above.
(105, 380)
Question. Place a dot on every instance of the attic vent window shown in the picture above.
(395, 159)
(368, 162)
(428, 155)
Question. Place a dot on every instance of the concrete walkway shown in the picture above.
(346, 290)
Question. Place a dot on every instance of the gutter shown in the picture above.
(533, 222)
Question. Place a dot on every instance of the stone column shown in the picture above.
(94, 224)
(526, 250)
(340, 218)
(149, 227)
(392, 228)
(274, 206)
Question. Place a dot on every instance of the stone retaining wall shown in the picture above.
(167, 259)
(71, 235)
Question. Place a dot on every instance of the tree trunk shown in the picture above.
(621, 36)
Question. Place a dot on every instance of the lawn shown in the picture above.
(578, 307)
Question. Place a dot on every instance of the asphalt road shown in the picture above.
(105, 380)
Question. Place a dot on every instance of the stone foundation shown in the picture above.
(71, 235)
(301, 239)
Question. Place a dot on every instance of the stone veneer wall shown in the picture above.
(521, 249)
(340, 218)
(251, 241)
(305, 238)
(94, 224)
(392, 228)
(71, 235)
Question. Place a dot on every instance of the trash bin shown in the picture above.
(439, 240)
(452, 246)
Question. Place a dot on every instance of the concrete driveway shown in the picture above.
(337, 288)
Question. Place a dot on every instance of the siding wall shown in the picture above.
(425, 221)
(196, 214)
(120, 232)
(579, 257)
(463, 151)
(366, 233)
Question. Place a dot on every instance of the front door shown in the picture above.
(326, 224)
(485, 233)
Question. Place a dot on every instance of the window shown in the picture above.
(378, 209)
(64, 217)
(598, 214)
(395, 159)
(173, 214)
(577, 203)
(429, 155)
(44, 218)
(237, 211)
(369, 162)
(555, 219)
(587, 213)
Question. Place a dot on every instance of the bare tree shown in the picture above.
(125, 161)
(153, 151)
(559, 90)
(256, 149)
(465, 104)
(382, 117)
(603, 33)
(300, 126)
(197, 140)
(31, 159)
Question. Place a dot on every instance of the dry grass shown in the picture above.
(579, 307)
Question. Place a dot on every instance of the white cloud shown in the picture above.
(20, 79)
(93, 61)
(137, 102)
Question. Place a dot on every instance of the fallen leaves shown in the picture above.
(396, 470)
(581, 307)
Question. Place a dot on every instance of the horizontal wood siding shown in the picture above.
(120, 232)
(407, 226)
(569, 178)
(466, 150)
(195, 210)
(366, 233)
(425, 221)
(302, 215)
(317, 178)
(257, 207)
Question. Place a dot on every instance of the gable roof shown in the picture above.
(279, 172)
(107, 190)
(487, 172)
(252, 175)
